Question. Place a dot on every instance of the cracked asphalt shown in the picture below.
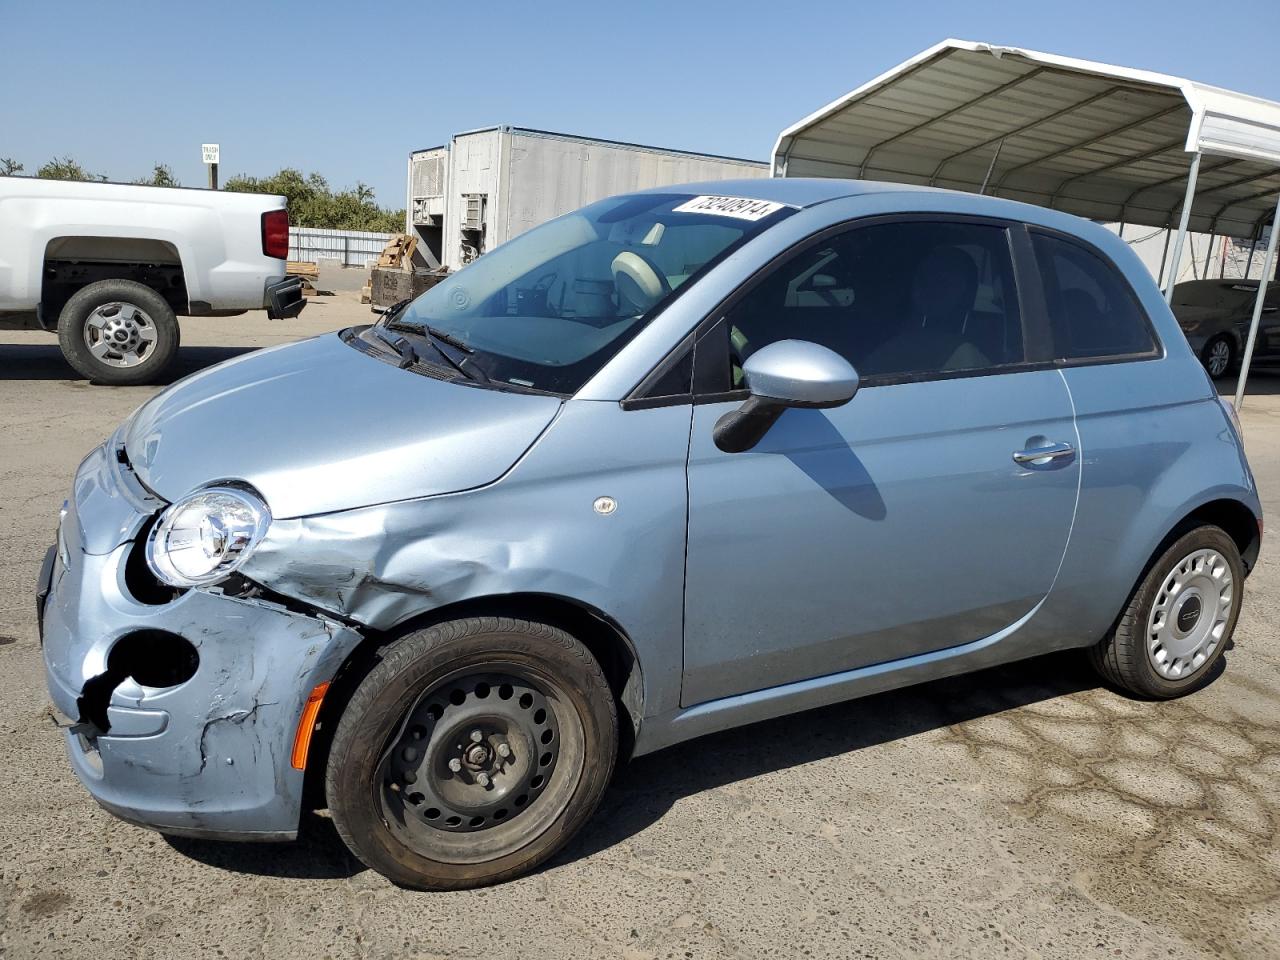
(1020, 812)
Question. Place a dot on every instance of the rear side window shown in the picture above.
(1093, 313)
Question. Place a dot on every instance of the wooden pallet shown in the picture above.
(398, 251)
(302, 268)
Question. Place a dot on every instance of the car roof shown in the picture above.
(793, 191)
(802, 192)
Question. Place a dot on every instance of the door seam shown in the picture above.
(1075, 510)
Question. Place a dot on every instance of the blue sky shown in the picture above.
(347, 89)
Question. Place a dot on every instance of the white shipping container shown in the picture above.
(487, 186)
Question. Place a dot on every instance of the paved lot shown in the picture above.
(1021, 812)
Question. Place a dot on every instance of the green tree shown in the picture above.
(161, 176)
(9, 166)
(65, 168)
(313, 203)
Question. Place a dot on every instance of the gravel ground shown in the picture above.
(1019, 812)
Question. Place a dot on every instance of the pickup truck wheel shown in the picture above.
(118, 332)
(1178, 621)
(471, 753)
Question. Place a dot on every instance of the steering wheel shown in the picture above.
(639, 282)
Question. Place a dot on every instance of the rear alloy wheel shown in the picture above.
(1218, 355)
(471, 753)
(1179, 620)
(118, 332)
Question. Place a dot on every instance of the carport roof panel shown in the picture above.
(1097, 140)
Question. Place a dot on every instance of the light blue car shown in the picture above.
(685, 459)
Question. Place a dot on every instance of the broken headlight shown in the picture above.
(206, 535)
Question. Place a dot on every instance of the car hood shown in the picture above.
(318, 426)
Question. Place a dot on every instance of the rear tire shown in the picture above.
(1179, 620)
(118, 332)
(471, 753)
(1219, 356)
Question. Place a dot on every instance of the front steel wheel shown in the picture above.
(471, 753)
(1179, 619)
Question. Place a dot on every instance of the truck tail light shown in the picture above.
(275, 234)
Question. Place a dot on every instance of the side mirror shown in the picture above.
(789, 373)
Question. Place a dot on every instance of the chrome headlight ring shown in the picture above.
(205, 536)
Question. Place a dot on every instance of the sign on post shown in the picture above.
(209, 154)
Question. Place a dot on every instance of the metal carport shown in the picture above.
(1104, 142)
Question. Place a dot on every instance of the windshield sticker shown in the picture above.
(740, 208)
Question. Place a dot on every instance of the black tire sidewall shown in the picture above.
(75, 313)
(1145, 678)
(379, 705)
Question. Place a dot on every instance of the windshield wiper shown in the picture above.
(433, 332)
(390, 321)
(466, 366)
(389, 313)
(450, 339)
(408, 355)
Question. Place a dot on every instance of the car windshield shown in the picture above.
(548, 309)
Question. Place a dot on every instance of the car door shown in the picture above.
(900, 523)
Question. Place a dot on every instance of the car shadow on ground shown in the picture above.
(644, 790)
(38, 361)
(318, 854)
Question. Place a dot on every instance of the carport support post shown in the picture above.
(1257, 305)
(1183, 222)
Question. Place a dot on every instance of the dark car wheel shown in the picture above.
(1218, 356)
(1180, 619)
(471, 753)
(118, 332)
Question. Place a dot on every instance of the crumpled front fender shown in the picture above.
(537, 531)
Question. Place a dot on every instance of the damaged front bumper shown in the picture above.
(209, 754)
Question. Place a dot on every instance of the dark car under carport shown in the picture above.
(1215, 316)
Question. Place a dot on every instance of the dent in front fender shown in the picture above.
(534, 532)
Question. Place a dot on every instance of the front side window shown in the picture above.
(897, 300)
(1092, 311)
(547, 309)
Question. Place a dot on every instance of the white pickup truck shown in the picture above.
(109, 267)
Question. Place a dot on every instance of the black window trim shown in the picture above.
(1158, 349)
(641, 397)
(1034, 321)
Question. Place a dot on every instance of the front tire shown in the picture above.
(1178, 621)
(471, 753)
(118, 332)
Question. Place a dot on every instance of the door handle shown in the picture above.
(1043, 455)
